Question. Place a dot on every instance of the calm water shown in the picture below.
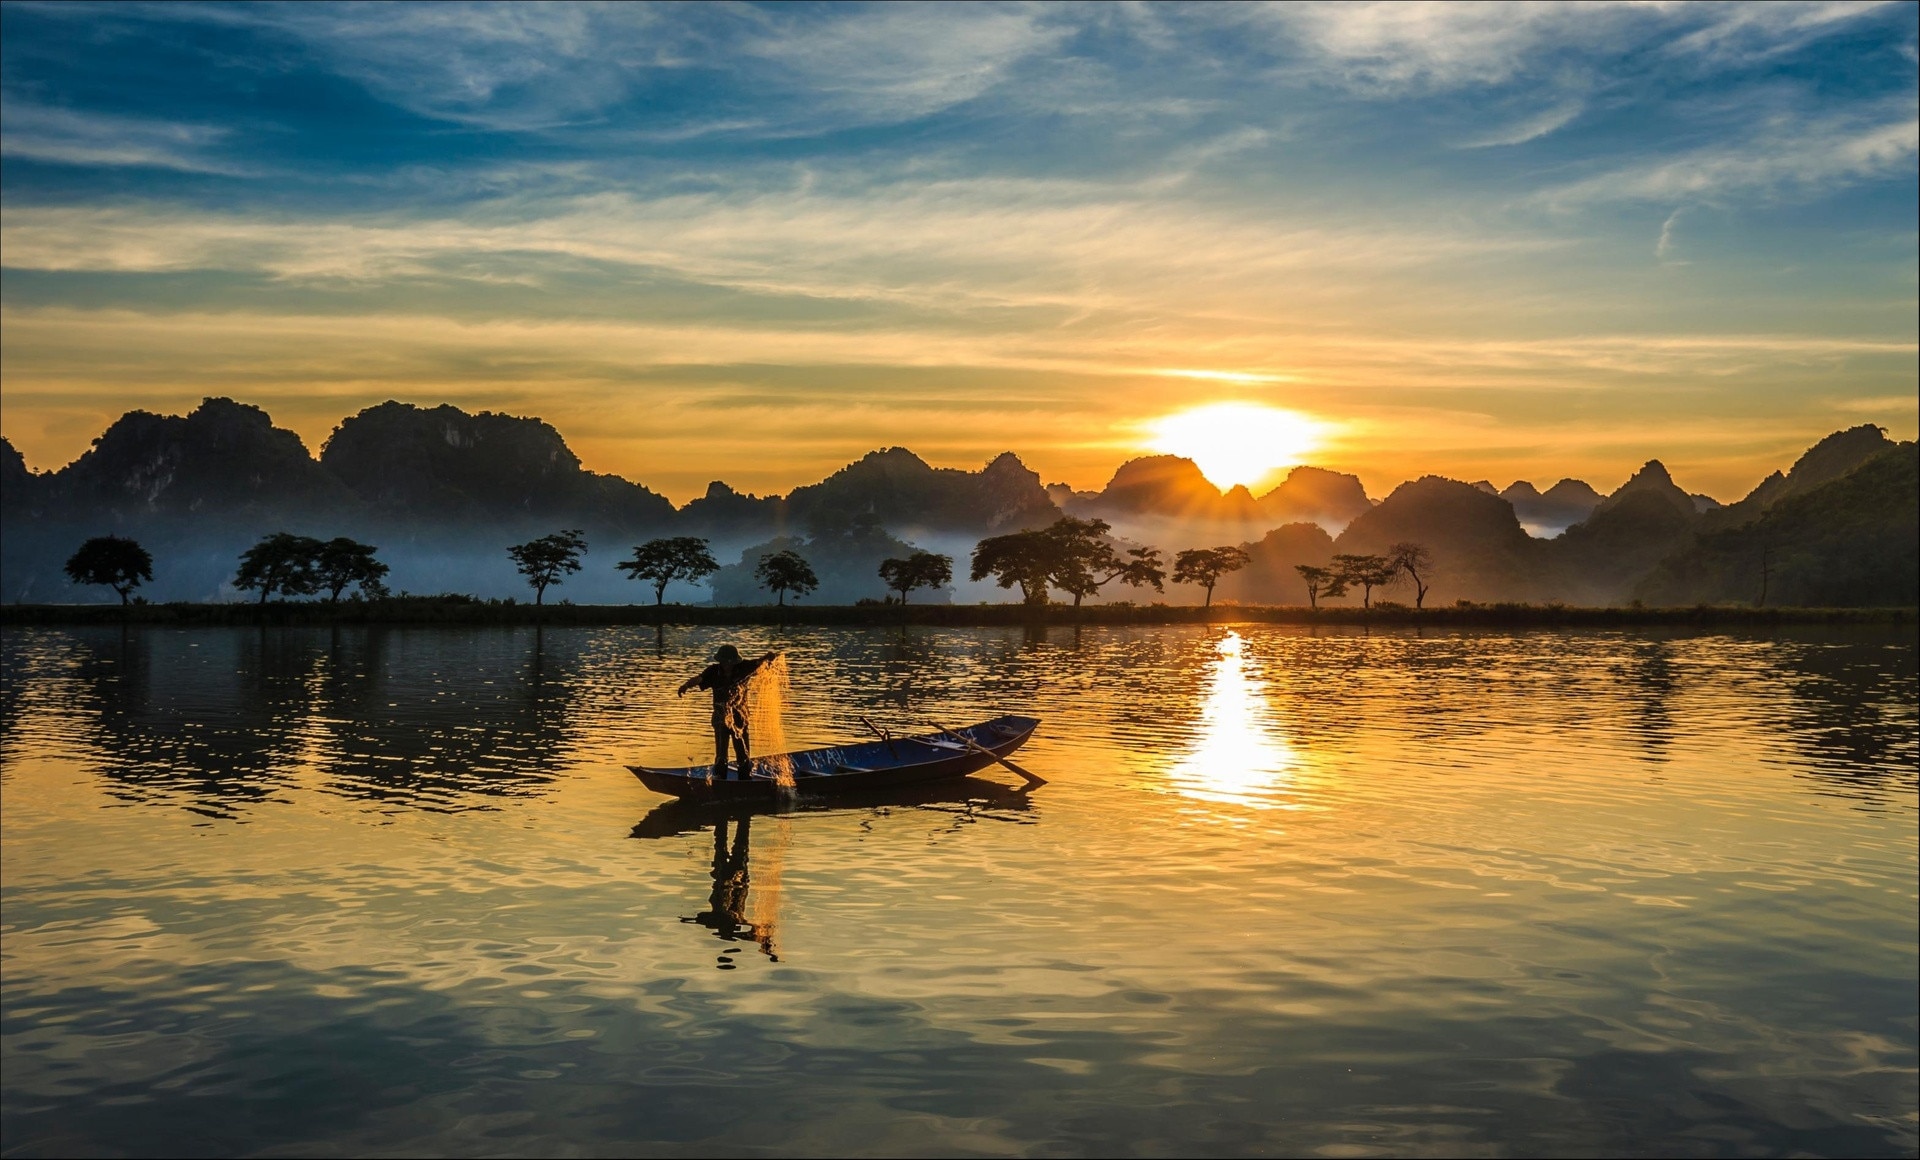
(295, 892)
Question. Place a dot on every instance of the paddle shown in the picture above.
(1033, 779)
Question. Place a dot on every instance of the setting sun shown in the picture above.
(1237, 443)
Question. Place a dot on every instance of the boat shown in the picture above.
(973, 795)
(867, 765)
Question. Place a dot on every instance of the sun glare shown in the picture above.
(1237, 442)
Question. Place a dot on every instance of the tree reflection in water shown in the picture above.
(1239, 756)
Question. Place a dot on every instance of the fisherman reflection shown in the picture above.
(727, 677)
(727, 912)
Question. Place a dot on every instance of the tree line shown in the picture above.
(1076, 556)
(1405, 560)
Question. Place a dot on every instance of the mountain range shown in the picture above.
(443, 491)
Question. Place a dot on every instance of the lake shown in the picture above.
(299, 892)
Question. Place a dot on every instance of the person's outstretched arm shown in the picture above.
(688, 684)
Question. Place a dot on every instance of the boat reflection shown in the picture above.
(1240, 756)
(738, 909)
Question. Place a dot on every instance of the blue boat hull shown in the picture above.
(868, 765)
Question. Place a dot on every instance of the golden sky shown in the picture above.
(754, 244)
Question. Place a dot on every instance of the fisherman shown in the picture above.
(727, 676)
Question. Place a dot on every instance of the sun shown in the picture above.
(1236, 443)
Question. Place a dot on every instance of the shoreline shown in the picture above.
(439, 610)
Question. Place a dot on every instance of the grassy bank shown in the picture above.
(455, 610)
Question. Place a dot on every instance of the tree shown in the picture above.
(341, 562)
(118, 563)
(1087, 561)
(1369, 572)
(548, 560)
(664, 561)
(1205, 566)
(1320, 582)
(1029, 559)
(1142, 569)
(784, 572)
(1414, 560)
(283, 563)
(1080, 550)
(920, 570)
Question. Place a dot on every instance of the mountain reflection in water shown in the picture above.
(372, 891)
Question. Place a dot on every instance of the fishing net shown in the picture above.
(766, 703)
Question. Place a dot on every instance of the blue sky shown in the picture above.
(755, 241)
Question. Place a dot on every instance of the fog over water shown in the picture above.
(1290, 891)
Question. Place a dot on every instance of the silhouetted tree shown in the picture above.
(1369, 572)
(784, 572)
(920, 570)
(1205, 566)
(1080, 550)
(1087, 560)
(1028, 559)
(341, 562)
(1417, 563)
(548, 559)
(1320, 582)
(118, 563)
(661, 562)
(282, 563)
(1142, 568)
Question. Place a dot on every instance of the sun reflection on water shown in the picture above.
(1239, 756)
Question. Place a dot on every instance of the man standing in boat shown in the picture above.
(727, 676)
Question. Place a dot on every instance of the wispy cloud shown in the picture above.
(987, 244)
(71, 137)
(1786, 156)
(1529, 128)
(1392, 47)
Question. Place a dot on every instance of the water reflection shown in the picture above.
(1499, 930)
(744, 904)
(727, 913)
(1237, 754)
(224, 722)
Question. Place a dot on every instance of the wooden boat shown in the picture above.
(867, 765)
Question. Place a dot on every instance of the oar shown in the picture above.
(882, 734)
(1032, 778)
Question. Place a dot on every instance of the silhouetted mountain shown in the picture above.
(194, 490)
(1598, 559)
(1827, 460)
(1480, 552)
(443, 492)
(1169, 485)
(1269, 577)
(224, 458)
(1559, 507)
(1850, 540)
(1485, 485)
(444, 465)
(1062, 495)
(1573, 493)
(1331, 499)
(1172, 487)
(901, 490)
(723, 511)
(20, 489)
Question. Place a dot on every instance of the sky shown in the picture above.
(754, 242)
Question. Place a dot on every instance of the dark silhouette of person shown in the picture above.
(727, 676)
(726, 913)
